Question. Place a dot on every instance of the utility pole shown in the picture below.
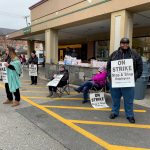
(26, 18)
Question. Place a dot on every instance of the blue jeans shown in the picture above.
(128, 96)
(85, 87)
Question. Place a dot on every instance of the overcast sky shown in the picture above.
(12, 13)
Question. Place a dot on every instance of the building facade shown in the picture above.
(96, 25)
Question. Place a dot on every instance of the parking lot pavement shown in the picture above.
(79, 126)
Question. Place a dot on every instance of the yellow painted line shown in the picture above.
(23, 89)
(2, 86)
(34, 86)
(78, 129)
(88, 108)
(117, 147)
(60, 98)
(70, 124)
(111, 124)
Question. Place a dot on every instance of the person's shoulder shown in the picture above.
(135, 53)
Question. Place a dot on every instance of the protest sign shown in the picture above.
(32, 70)
(122, 73)
(55, 81)
(3, 71)
(98, 100)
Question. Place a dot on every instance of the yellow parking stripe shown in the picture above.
(70, 124)
(2, 86)
(111, 124)
(64, 98)
(78, 129)
(34, 86)
(23, 90)
(88, 108)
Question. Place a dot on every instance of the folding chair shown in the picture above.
(63, 89)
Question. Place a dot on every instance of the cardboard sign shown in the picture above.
(3, 71)
(55, 81)
(122, 73)
(98, 100)
(32, 70)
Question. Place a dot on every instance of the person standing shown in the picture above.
(8, 93)
(124, 52)
(33, 60)
(13, 75)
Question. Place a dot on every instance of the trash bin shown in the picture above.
(140, 87)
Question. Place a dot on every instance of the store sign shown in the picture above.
(122, 73)
(27, 30)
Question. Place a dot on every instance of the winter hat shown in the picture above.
(33, 51)
(101, 68)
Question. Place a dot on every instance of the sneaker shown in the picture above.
(31, 83)
(54, 95)
(7, 102)
(50, 94)
(113, 116)
(131, 119)
(15, 103)
(77, 90)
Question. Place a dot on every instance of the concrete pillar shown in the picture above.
(121, 26)
(90, 49)
(30, 48)
(51, 46)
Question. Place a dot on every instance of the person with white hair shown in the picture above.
(98, 81)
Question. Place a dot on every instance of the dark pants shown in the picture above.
(85, 87)
(10, 95)
(60, 84)
(33, 79)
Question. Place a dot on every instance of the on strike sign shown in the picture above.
(32, 70)
(122, 73)
(98, 100)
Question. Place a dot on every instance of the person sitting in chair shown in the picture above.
(98, 81)
(63, 81)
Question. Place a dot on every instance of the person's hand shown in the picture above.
(6, 64)
(54, 76)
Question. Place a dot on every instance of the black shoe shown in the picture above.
(84, 101)
(35, 83)
(31, 83)
(131, 119)
(113, 116)
(77, 90)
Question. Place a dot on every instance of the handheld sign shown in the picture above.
(122, 73)
(98, 100)
(32, 70)
(3, 71)
(55, 81)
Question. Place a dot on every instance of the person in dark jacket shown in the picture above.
(8, 93)
(62, 82)
(124, 52)
(33, 60)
